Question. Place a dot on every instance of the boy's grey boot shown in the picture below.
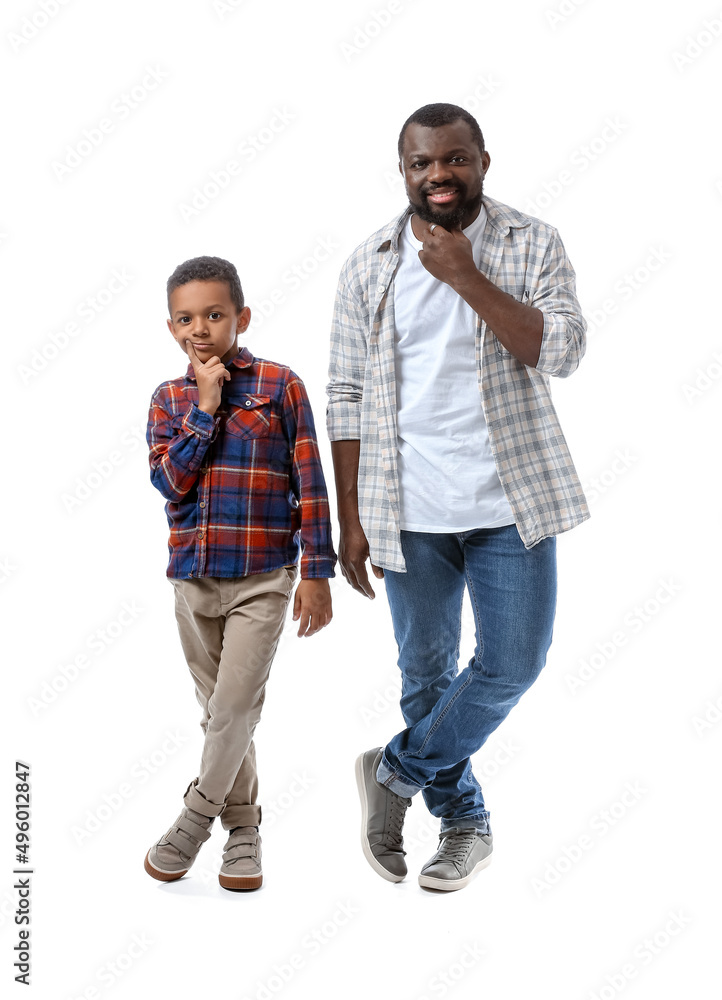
(460, 855)
(171, 857)
(382, 819)
(241, 868)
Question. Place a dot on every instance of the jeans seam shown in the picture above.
(477, 614)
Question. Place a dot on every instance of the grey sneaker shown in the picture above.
(171, 857)
(460, 855)
(382, 819)
(241, 868)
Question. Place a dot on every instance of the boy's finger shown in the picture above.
(191, 352)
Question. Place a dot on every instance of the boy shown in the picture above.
(233, 450)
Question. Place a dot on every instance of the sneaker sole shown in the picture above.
(241, 882)
(449, 885)
(161, 875)
(365, 845)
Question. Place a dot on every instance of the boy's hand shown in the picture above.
(312, 605)
(210, 377)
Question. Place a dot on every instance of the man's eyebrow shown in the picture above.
(449, 152)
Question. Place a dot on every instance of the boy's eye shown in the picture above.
(183, 319)
(214, 315)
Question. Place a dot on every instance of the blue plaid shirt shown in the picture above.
(245, 488)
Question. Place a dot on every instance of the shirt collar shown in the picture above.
(244, 359)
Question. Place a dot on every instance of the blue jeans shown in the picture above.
(449, 715)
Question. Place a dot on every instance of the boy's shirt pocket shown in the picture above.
(247, 416)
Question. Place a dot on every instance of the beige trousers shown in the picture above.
(229, 630)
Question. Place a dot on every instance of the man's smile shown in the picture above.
(442, 196)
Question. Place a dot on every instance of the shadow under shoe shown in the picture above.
(172, 856)
(241, 868)
(382, 819)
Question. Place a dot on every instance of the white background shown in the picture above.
(601, 91)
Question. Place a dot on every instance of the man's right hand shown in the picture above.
(353, 551)
(210, 377)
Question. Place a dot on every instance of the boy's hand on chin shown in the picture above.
(210, 377)
(312, 606)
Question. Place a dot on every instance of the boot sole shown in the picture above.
(160, 875)
(365, 845)
(449, 885)
(241, 882)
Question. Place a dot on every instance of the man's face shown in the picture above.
(443, 169)
(203, 312)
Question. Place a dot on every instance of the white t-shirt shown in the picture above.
(447, 474)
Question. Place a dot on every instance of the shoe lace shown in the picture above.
(393, 836)
(454, 846)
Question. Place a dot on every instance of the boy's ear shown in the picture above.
(244, 318)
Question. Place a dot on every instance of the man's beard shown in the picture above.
(449, 220)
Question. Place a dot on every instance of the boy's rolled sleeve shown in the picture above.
(347, 366)
(308, 484)
(564, 338)
(177, 446)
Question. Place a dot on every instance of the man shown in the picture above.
(452, 471)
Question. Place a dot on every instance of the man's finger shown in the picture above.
(360, 580)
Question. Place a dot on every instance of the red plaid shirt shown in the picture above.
(245, 488)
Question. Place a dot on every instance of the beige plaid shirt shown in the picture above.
(524, 257)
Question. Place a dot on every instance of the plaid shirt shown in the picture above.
(524, 257)
(245, 485)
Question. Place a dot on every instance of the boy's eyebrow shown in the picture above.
(184, 312)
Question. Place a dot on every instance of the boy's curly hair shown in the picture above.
(207, 269)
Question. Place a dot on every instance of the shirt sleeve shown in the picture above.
(308, 484)
(564, 338)
(178, 445)
(349, 350)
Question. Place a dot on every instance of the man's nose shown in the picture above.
(439, 171)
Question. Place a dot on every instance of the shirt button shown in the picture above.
(204, 471)
(190, 574)
(382, 288)
(202, 503)
(200, 533)
(248, 402)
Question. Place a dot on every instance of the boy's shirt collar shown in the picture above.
(244, 359)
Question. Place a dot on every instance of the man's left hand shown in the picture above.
(447, 255)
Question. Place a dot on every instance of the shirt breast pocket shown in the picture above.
(249, 417)
(521, 294)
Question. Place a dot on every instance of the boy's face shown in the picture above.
(203, 313)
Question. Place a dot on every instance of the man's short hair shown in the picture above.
(207, 269)
(434, 115)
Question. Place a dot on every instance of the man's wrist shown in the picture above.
(468, 281)
(348, 518)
